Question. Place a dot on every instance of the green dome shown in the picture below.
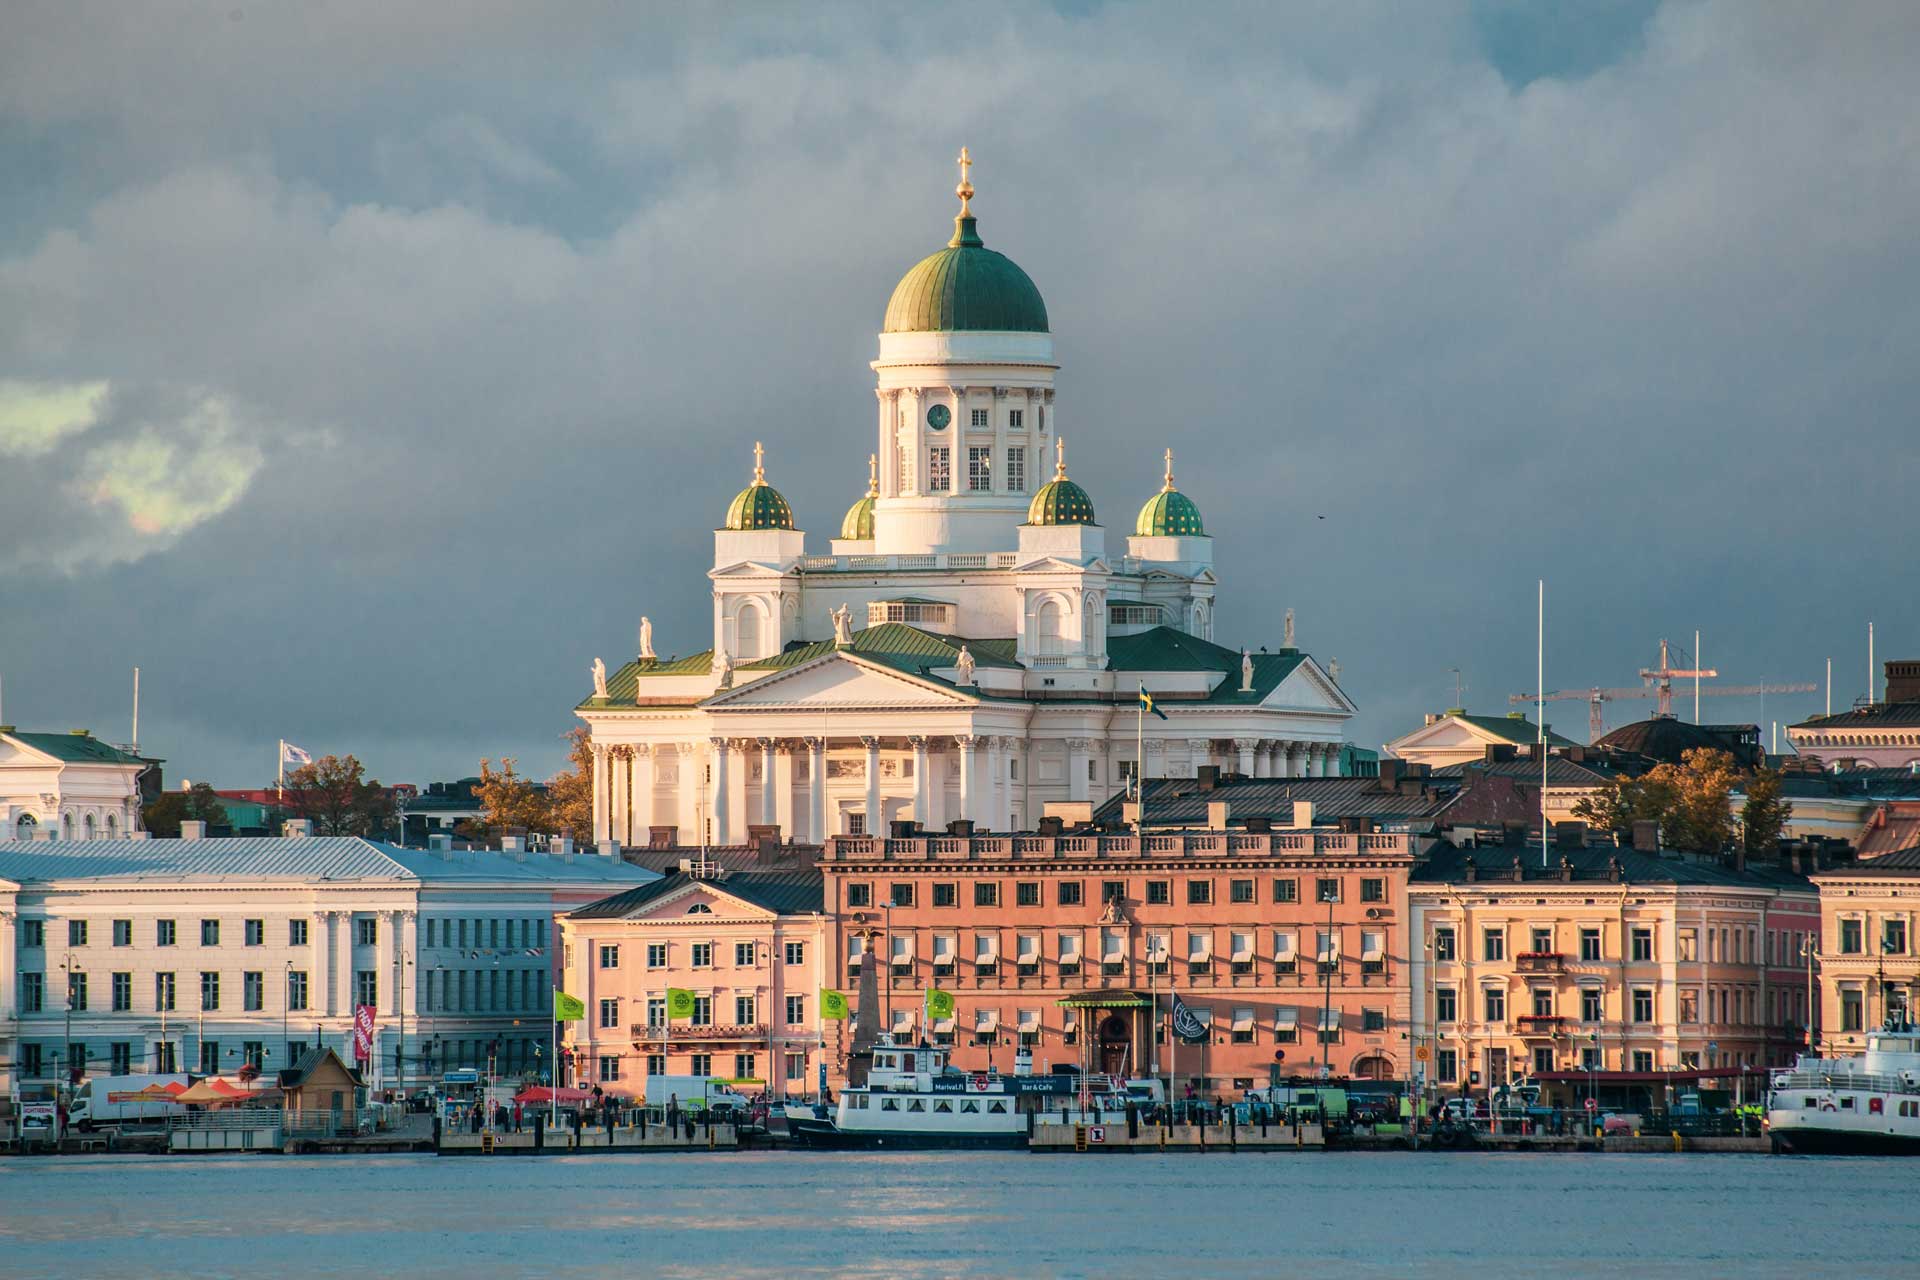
(858, 526)
(1060, 500)
(759, 505)
(1169, 513)
(965, 286)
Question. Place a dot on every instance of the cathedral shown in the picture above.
(970, 648)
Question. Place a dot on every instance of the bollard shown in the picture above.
(539, 1131)
(1678, 1142)
(1133, 1122)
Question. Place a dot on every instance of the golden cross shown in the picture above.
(759, 463)
(1060, 457)
(1169, 469)
(965, 189)
(873, 474)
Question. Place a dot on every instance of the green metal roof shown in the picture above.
(77, 747)
(1169, 514)
(858, 526)
(1061, 501)
(1514, 728)
(1169, 649)
(759, 506)
(965, 286)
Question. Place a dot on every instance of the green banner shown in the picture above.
(568, 1008)
(833, 1005)
(679, 1002)
(939, 1003)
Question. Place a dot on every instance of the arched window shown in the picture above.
(1047, 625)
(699, 909)
(66, 826)
(86, 826)
(113, 827)
(23, 827)
(746, 634)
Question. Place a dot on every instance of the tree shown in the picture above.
(1764, 815)
(333, 794)
(570, 792)
(508, 801)
(1691, 801)
(197, 804)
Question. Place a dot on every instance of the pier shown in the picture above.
(622, 1139)
(1198, 1138)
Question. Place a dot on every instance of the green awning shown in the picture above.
(1106, 1000)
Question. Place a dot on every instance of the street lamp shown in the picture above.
(1810, 951)
(1329, 894)
(66, 967)
(286, 1004)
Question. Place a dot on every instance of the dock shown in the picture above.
(620, 1140)
(1053, 1136)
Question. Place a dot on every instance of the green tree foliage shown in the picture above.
(196, 804)
(1765, 814)
(570, 792)
(334, 794)
(1691, 801)
(508, 801)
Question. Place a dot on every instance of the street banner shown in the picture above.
(679, 1002)
(568, 1008)
(939, 1003)
(833, 1005)
(362, 1032)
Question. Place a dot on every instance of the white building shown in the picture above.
(67, 786)
(971, 646)
(1454, 737)
(206, 954)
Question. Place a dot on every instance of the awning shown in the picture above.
(1159, 947)
(1070, 1020)
(902, 1020)
(1243, 1019)
(943, 1025)
(1029, 948)
(1328, 945)
(1069, 947)
(1285, 945)
(1106, 1000)
(1242, 948)
(1286, 1018)
(986, 947)
(1113, 946)
(944, 946)
(1329, 1019)
(1373, 946)
(1199, 946)
(1030, 1021)
(902, 948)
(986, 1019)
(541, 1093)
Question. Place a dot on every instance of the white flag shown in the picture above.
(290, 754)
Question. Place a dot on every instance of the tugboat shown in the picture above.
(1868, 1105)
(913, 1100)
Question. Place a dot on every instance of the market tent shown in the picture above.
(540, 1093)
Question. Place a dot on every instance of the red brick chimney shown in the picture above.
(1903, 681)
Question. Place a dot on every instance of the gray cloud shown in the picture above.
(445, 349)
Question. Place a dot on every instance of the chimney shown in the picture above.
(1469, 869)
(1260, 825)
(1646, 836)
(962, 827)
(193, 829)
(1218, 812)
(1390, 773)
(440, 843)
(607, 849)
(1208, 776)
(1903, 681)
(1302, 814)
(1569, 835)
(1050, 825)
(298, 828)
(513, 844)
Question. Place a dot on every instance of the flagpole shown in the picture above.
(280, 787)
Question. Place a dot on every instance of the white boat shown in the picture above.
(914, 1100)
(1867, 1105)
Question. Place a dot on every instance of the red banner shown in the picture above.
(362, 1032)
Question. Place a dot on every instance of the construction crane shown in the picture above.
(1659, 688)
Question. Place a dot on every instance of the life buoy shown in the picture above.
(1828, 1104)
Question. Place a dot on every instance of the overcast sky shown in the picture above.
(368, 369)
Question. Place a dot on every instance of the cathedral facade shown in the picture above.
(971, 646)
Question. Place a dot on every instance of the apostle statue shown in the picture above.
(1246, 671)
(646, 640)
(965, 665)
(1289, 633)
(842, 625)
(599, 678)
(725, 661)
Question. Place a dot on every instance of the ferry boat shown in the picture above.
(1867, 1105)
(914, 1099)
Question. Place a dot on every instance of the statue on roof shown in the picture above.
(1289, 630)
(842, 625)
(599, 678)
(724, 661)
(1333, 671)
(646, 639)
(965, 665)
(1246, 671)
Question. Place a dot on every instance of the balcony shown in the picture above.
(650, 1035)
(1540, 962)
(1541, 1024)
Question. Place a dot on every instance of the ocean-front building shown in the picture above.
(971, 645)
(70, 786)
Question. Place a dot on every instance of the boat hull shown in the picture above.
(1811, 1141)
(826, 1135)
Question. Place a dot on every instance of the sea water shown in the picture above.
(986, 1215)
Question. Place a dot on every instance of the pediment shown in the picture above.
(1447, 735)
(1308, 688)
(749, 569)
(838, 681)
(1059, 564)
(693, 903)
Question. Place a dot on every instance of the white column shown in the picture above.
(617, 790)
(783, 792)
(722, 792)
(816, 791)
(386, 984)
(922, 785)
(1316, 761)
(343, 968)
(993, 803)
(969, 789)
(1243, 750)
(406, 1007)
(769, 785)
(640, 793)
(9, 979)
(737, 794)
(936, 819)
(600, 815)
(876, 811)
(1078, 787)
(688, 763)
(1199, 751)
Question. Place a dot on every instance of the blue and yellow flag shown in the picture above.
(1146, 703)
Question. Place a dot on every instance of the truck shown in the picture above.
(112, 1101)
(696, 1095)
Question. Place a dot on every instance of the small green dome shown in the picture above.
(759, 505)
(1060, 500)
(858, 526)
(1169, 513)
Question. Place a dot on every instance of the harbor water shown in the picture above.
(796, 1214)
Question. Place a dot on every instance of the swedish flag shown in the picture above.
(1146, 703)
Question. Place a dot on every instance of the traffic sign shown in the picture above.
(1421, 1053)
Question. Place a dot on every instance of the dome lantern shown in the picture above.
(759, 505)
(1060, 500)
(1169, 513)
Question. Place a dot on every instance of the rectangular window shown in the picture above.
(209, 933)
(1443, 943)
(297, 990)
(978, 419)
(1069, 893)
(256, 933)
(30, 1064)
(164, 933)
(1016, 419)
(900, 893)
(743, 1066)
(701, 1064)
(796, 952)
(296, 933)
(209, 991)
(210, 1057)
(163, 993)
(253, 991)
(859, 893)
(610, 1013)
(122, 992)
(609, 1067)
(1113, 890)
(1446, 1066)
(1893, 937)
(1326, 889)
(1493, 944)
(1590, 1004)
(33, 933)
(986, 893)
(1540, 941)
(1373, 889)
(745, 1014)
(939, 470)
(796, 1010)
(945, 894)
(1689, 946)
(367, 932)
(123, 933)
(1643, 1059)
(1852, 1009)
(1446, 1005)
(703, 955)
(979, 469)
(1017, 466)
(366, 987)
(76, 933)
(1590, 944)
(656, 1012)
(657, 955)
(1643, 1004)
(1373, 1020)
(120, 1058)
(77, 992)
(656, 1064)
(1496, 1003)
(1642, 945)
(702, 1013)
(610, 957)
(1159, 892)
(1542, 1002)
(1026, 893)
(743, 953)
(1240, 890)
(1199, 892)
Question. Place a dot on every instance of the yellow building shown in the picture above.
(1868, 965)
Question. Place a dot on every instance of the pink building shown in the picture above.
(750, 945)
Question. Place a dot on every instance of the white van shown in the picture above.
(696, 1095)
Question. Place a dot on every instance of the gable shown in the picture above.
(694, 903)
(1308, 688)
(839, 680)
